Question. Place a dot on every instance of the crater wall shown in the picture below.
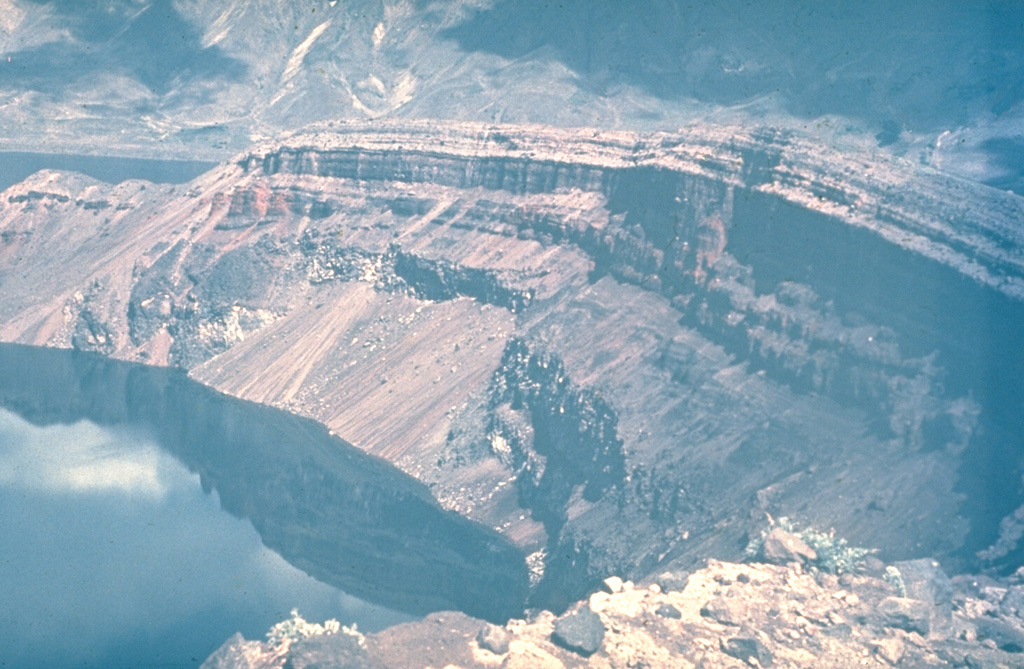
(622, 351)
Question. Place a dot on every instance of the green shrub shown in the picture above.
(893, 577)
(296, 628)
(835, 555)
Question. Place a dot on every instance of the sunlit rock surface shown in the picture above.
(621, 351)
(727, 615)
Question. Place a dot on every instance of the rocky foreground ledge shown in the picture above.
(908, 614)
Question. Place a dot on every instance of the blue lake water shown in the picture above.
(145, 518)
(114, 556)
(15, 166)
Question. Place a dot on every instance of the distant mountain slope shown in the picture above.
(205, 76)
(921, 65)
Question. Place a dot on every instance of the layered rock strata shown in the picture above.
(622, 351)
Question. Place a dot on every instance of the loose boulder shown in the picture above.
(494, 639)
(668, 611)
(580, 631)
(889, 649)
(672, 581)
(911, 615)
(612, 585)
(746, 648)
(781, 547)
(726, 610)
(925, 581)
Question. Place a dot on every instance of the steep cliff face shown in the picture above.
(619, 350)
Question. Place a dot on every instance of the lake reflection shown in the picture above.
(110, 545)
(113, 555)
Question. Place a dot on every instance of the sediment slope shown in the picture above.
(622, 351)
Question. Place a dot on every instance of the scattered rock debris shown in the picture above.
(727, 616)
